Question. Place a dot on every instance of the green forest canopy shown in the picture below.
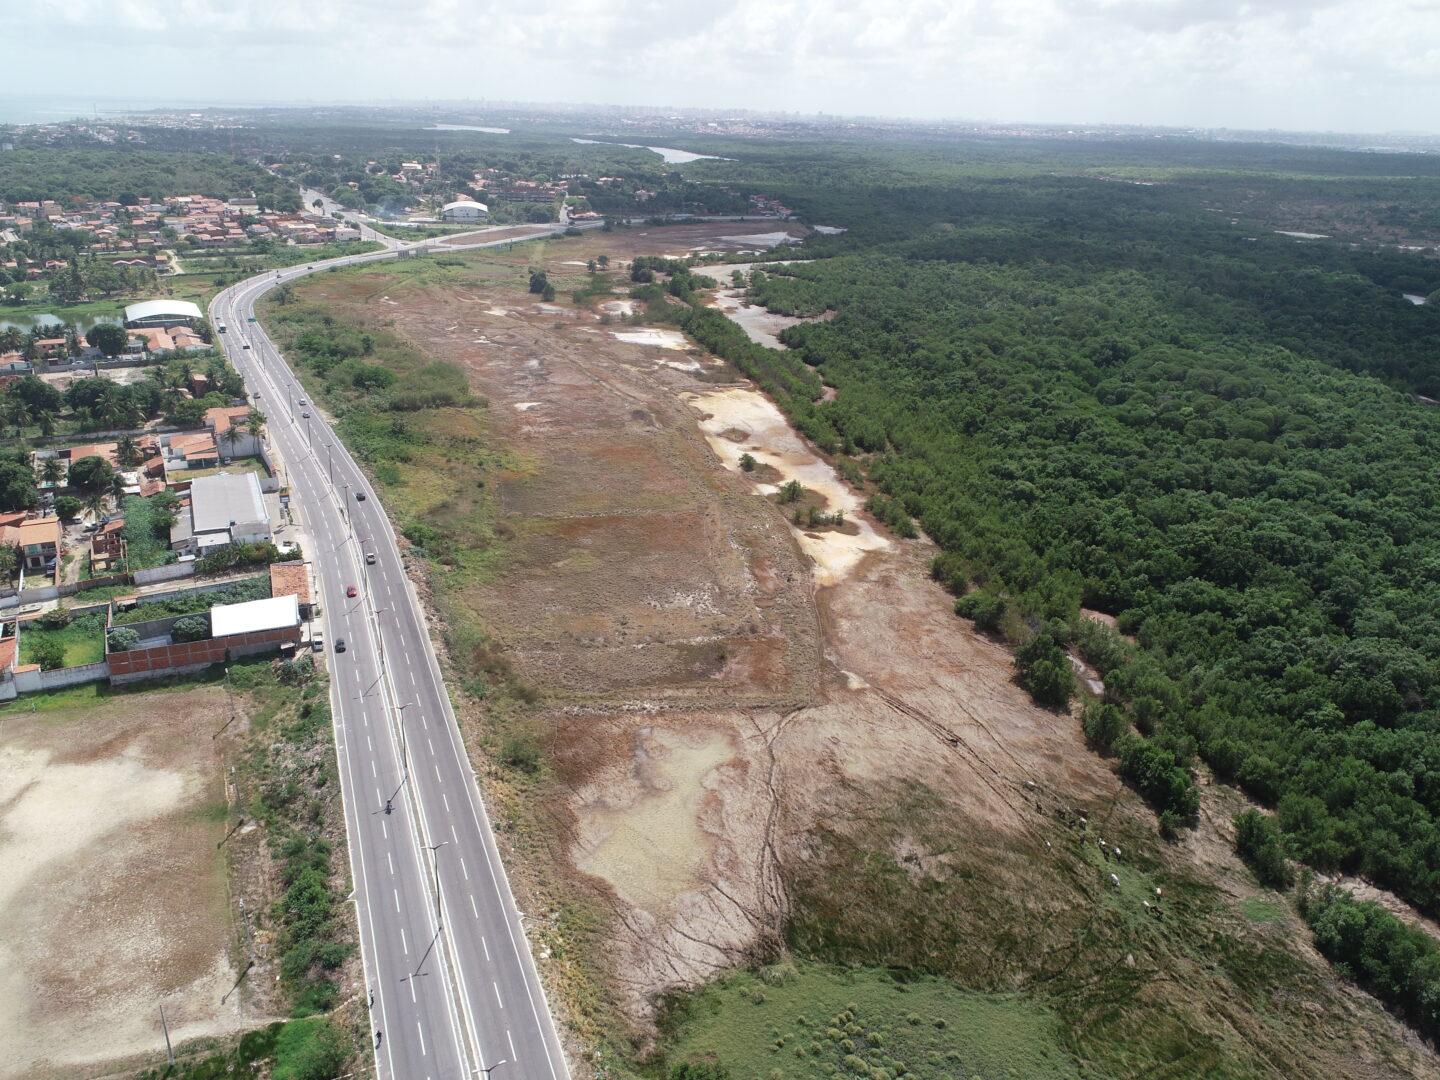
(1098, 394)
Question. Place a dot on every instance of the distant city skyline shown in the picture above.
(1356, 66)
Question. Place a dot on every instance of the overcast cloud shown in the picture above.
(1344, 65)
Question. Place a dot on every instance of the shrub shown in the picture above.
(1258, 842)
(48, 653)
(312, 1049)
(123, 638)
(57, 618)
(191, 628)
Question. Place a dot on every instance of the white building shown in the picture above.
(225, 509)
(255, 616)
(162, 314)
(465, 210)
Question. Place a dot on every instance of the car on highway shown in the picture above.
(303, 402)
(246, 345)
(339, 644)
(350, 590)
(359, 496)
(370, 558)
(305, 415)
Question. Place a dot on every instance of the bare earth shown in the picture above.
(113, 900)
(716, 683)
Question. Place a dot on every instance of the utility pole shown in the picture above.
(165, 1027)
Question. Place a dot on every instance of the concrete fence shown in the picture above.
(168, 572)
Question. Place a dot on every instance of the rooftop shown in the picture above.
(149, 309)
(465, 204)
(254, 616)
(216, 501)
(290, 579)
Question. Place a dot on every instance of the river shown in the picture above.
(669, 155)
(25, 321)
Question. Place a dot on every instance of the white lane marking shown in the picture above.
(462, 867)
(497, 993)
(391, 861)
(385, 829)
(412, 678)
(483, 945)
(446, 800)
(412, 990)
(403, 943)
(423, 1051)
(438, 780)
(454, 836)
(432, 745)
(475, 910)
(368, 743)
(397, 898)
(372, 769)
(513, 1054)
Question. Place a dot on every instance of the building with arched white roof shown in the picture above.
(164, 313)
(465, 210)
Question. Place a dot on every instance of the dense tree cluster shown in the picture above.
(1095, 394)
(124, 175)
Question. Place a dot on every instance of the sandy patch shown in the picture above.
(770, 440)
(643, 833)
(662, 339)
(114, 897)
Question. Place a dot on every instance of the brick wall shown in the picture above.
(164, 659)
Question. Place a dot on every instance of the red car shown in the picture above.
(349, 590)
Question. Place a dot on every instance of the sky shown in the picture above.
(1312, 65)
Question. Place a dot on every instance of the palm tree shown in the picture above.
(46, 419)
(255, 423)
(11, 339)
(52, 470)
(232, 435)
(127, 453)
(17, 413)
(95, 503)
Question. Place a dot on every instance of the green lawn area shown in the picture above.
(83, 641)
(812, 1021)
(234, 467)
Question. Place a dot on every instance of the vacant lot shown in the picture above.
(755, 734)
(113, 900)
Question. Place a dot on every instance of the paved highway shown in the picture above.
(456, 992)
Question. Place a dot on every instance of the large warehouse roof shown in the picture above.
(149, 309)
(216, 501)
(465, 204)
(254, 616)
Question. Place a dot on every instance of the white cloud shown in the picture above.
(1344, 64)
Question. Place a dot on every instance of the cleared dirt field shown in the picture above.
(730, 703)
(113, 900)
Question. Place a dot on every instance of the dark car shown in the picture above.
(370, 558)
(350, 590)
(246, 345)
(305, 416)
(359, 496)
(339, 644)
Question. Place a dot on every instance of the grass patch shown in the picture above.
(82, 642)
(251, 588)
(1261, 911)
(814, 1021)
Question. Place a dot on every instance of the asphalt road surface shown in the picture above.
(456, 992)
